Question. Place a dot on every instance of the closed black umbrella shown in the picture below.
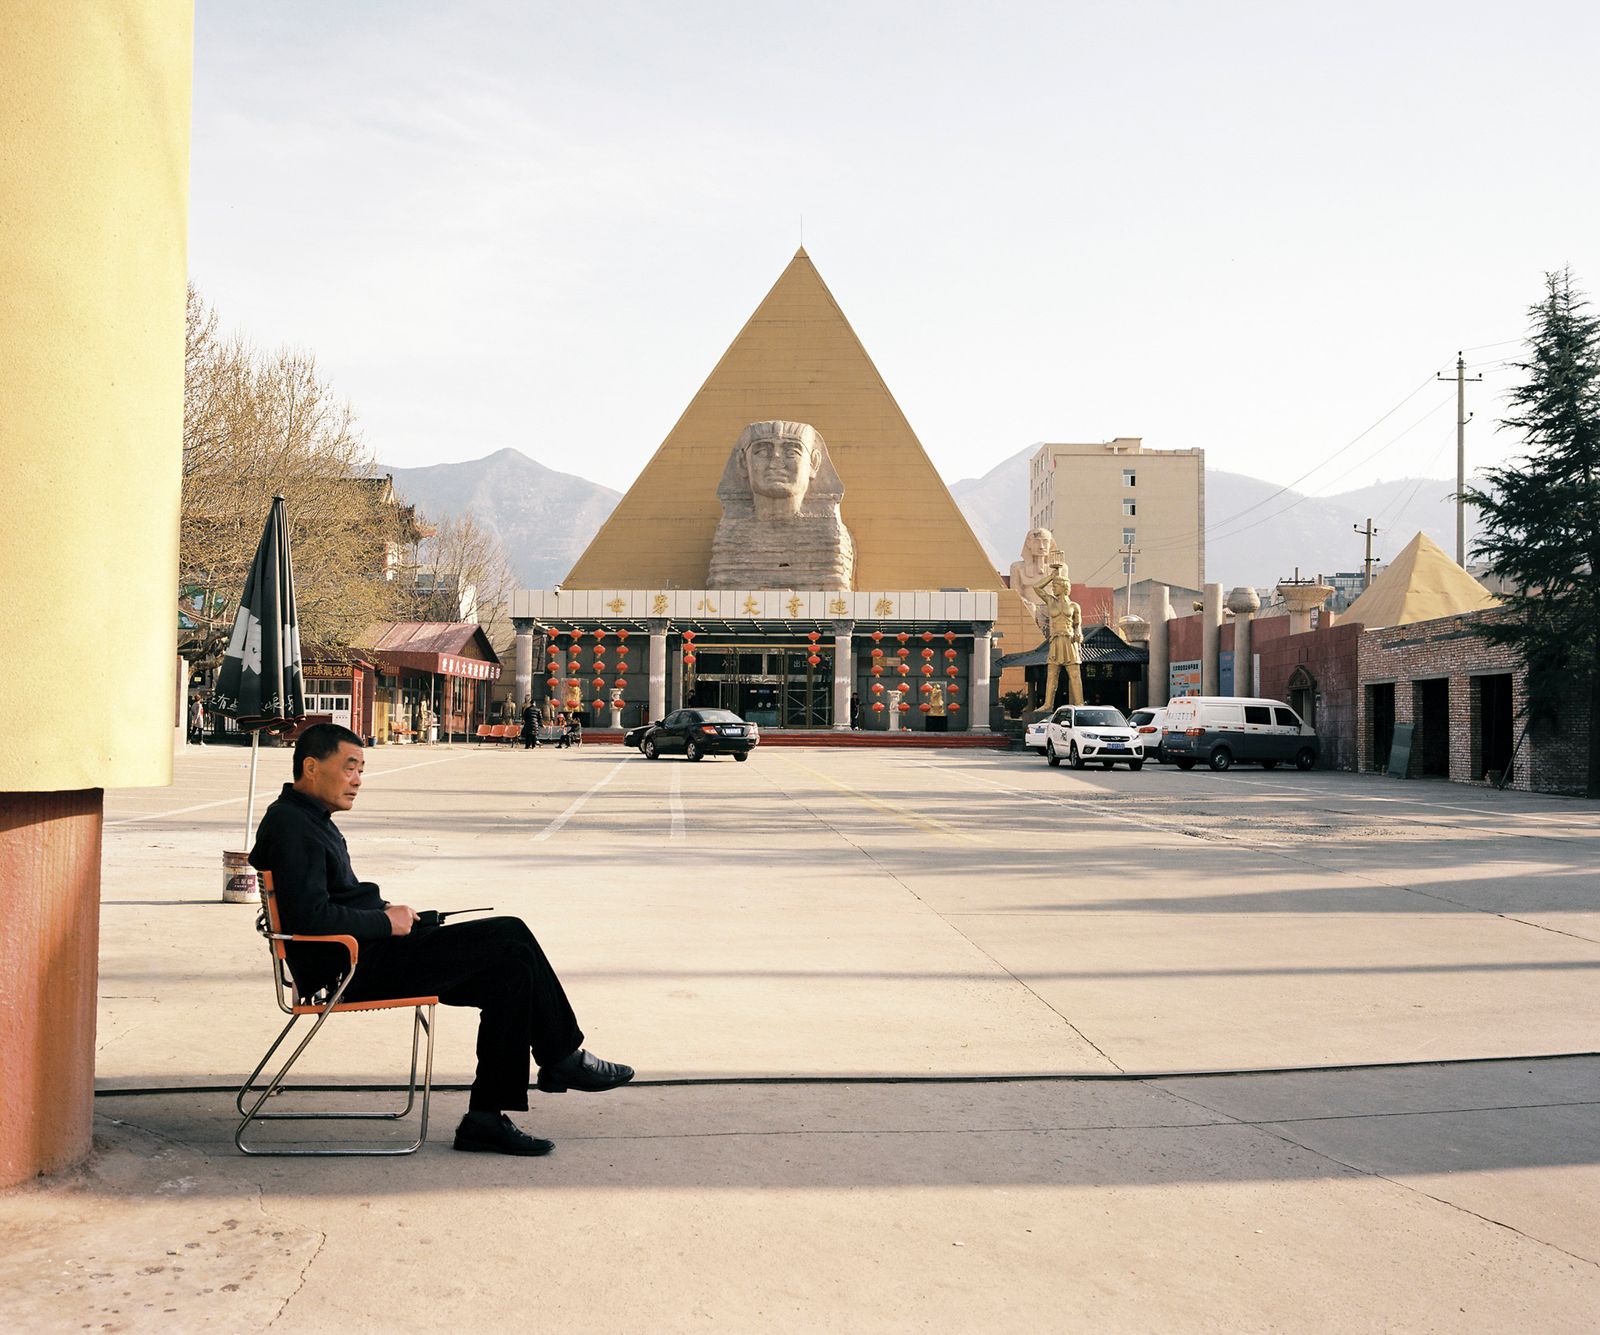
(260, 683)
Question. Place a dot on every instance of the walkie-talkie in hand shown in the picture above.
(428, 919)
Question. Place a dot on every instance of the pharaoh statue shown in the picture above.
(780, 525)
(1066, 634)
(1038, 551)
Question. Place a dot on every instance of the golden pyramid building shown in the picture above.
(796, 359)
(1420, 584)
(800, 656)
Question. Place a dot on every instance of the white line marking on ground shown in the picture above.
(675, 805)
(229, 801)
(577, 804)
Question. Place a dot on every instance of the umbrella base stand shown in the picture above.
(240, 882)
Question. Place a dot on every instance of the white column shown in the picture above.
(1210, 639)
(844, 674)
(1160, 641)
(182, 735)
(523, 661)
(978, 677)
(658, 671)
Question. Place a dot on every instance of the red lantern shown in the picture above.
(577, 634)
(876, 636)
(876, 670)
(623, 636)
(927, 670)
(924, 706)
(877, 688)
(927, 653)
(926, 689)
(953, 707)
(689, 659)
(599, 634)
(622, 683)
(599, 705)
(814, 636)
(951, 671)
(902, 667)
(905, 707)
(877, 706)
(949, 653)
(926, 636)
(952, 689)
(949, 637)
(690, 634)
(599, 683)
(813, 660)
(877, 653)
(902, 637)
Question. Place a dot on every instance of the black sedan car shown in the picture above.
(693, 733)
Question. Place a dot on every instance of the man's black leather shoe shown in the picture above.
(482, 1136)
(583, 1071)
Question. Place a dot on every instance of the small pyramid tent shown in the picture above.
(797, 358)
(1420, 584)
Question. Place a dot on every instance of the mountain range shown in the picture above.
(1257, 532)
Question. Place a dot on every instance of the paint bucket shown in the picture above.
(239, 883)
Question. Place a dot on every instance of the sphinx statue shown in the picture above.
(780, 525)
(1039, 552)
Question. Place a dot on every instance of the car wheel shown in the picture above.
(741, 755)
(1161, 754)
(1050, 753)
(1305, 758)
(648, 746)
(1073, 757)
(1185, 764)
(1136, 765)
(1221, 758)
(691, 750)
(1269, 764)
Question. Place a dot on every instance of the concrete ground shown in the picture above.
(815, 960)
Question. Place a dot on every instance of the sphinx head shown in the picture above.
(780, 460)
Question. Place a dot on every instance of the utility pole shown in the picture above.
(1129, 551)
(1366, 565)
(1462, 418)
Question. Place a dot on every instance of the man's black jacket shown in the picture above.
(317, 890)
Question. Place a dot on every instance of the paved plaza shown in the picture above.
(926, 1039)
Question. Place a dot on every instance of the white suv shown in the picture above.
(1081, 733)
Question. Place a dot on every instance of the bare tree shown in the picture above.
(461, 574)
(257, 424)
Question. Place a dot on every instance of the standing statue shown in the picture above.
(1066, 634)
(780, 525)
(936, 707)
(1039, 550)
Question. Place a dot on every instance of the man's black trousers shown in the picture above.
(496, 965)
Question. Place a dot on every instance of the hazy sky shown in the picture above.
(1251, 227)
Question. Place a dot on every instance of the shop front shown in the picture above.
(434, 680)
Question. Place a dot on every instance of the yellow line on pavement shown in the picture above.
(901, 813)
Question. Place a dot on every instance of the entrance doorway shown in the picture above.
(1303, 696)
(1380, 714)
(774, 685)
(1431, 711)
(1492, 741)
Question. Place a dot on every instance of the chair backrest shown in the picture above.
(269, 925)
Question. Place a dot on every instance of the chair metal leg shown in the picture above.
(275, 1086)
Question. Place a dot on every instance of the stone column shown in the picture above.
(1210, 639)
(978, 678)
(183, 701)
(844, 673)
(1244, 603)
(523, 660)
(1160, 642)
(658, 670)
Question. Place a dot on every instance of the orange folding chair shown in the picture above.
(268, 924)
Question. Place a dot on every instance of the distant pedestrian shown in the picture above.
(563, 738)
(855, 712)
(197, 721)
(575, 731)
(530, 725)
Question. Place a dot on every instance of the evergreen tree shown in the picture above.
(1541, 518)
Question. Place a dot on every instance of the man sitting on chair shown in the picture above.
(493, 963)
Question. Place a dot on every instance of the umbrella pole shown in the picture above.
(250, 802)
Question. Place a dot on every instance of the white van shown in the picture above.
(1223, 729)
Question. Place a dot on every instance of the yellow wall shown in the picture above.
(94, 181)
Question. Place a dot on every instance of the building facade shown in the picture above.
(1099, 500)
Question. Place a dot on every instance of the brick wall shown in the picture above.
(1455, 650)
(1328, 655)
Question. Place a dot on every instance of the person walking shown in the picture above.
(530, 724)
(197, 720)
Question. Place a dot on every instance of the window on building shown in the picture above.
(1127, 537)
(1130, 478)
(1130, 565)
(1128, 507)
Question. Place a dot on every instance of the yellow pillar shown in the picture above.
(94, 183)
